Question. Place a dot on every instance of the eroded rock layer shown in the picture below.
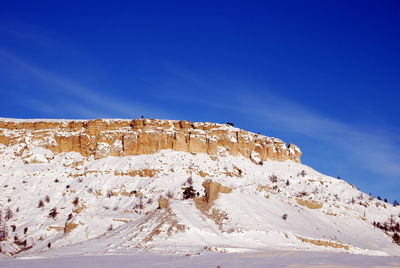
(101, 138)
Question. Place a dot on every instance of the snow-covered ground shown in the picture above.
(270, 259)
(110, 206)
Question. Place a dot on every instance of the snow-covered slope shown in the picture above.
(181, 202)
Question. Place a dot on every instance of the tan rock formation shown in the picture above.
(163, 203)
(213, 189)
(102, 138)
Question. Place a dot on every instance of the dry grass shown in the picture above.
(79, 210)
(330, 213)
(58, 228)
(167, 224)
(140, 172)
(324, 243)
(203, 174)
(122, 220)
(69, 226)
(309, 204)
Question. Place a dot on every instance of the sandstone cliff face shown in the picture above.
(101, 138)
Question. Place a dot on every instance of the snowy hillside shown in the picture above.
(181, 202)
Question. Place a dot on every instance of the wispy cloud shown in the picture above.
(85, 101)
(374, 150)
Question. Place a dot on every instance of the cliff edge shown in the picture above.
(102, 137)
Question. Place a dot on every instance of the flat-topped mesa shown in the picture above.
(104, 137)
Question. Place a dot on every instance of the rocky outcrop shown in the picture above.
(213, 189)
(101, 138)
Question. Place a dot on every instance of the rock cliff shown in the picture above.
(101, 138)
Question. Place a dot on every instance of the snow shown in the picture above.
(270, 259)
(117, 212)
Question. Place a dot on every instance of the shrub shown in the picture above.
(230, 124)
(47, 199)
(8, 215)
(287, 183)
(53, 213)
(170, 195)
(25, 230)
(41, 204)
(3, 235)
(189, 192)
(273, 178)
(284, 216)
(302, 173)
(396, 238)
(75, 202)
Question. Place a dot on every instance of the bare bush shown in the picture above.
(273, 178)
(53, 213)
(302, 173)
(76, 201)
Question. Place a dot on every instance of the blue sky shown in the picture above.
(324, 75)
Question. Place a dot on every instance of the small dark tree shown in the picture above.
(8, 215)
(392, 221)
(47, 199)
(41, 204)
(230, 124)
(397, 227)
(53, 213)
(13, 228)
(395, 203)
(379, 198)
(49, 245)
(3, 234)
(189, 192)
(287, 183)
(284, 216)
(385, 200)
(25, 230)
(69, 217)
(396, 238)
